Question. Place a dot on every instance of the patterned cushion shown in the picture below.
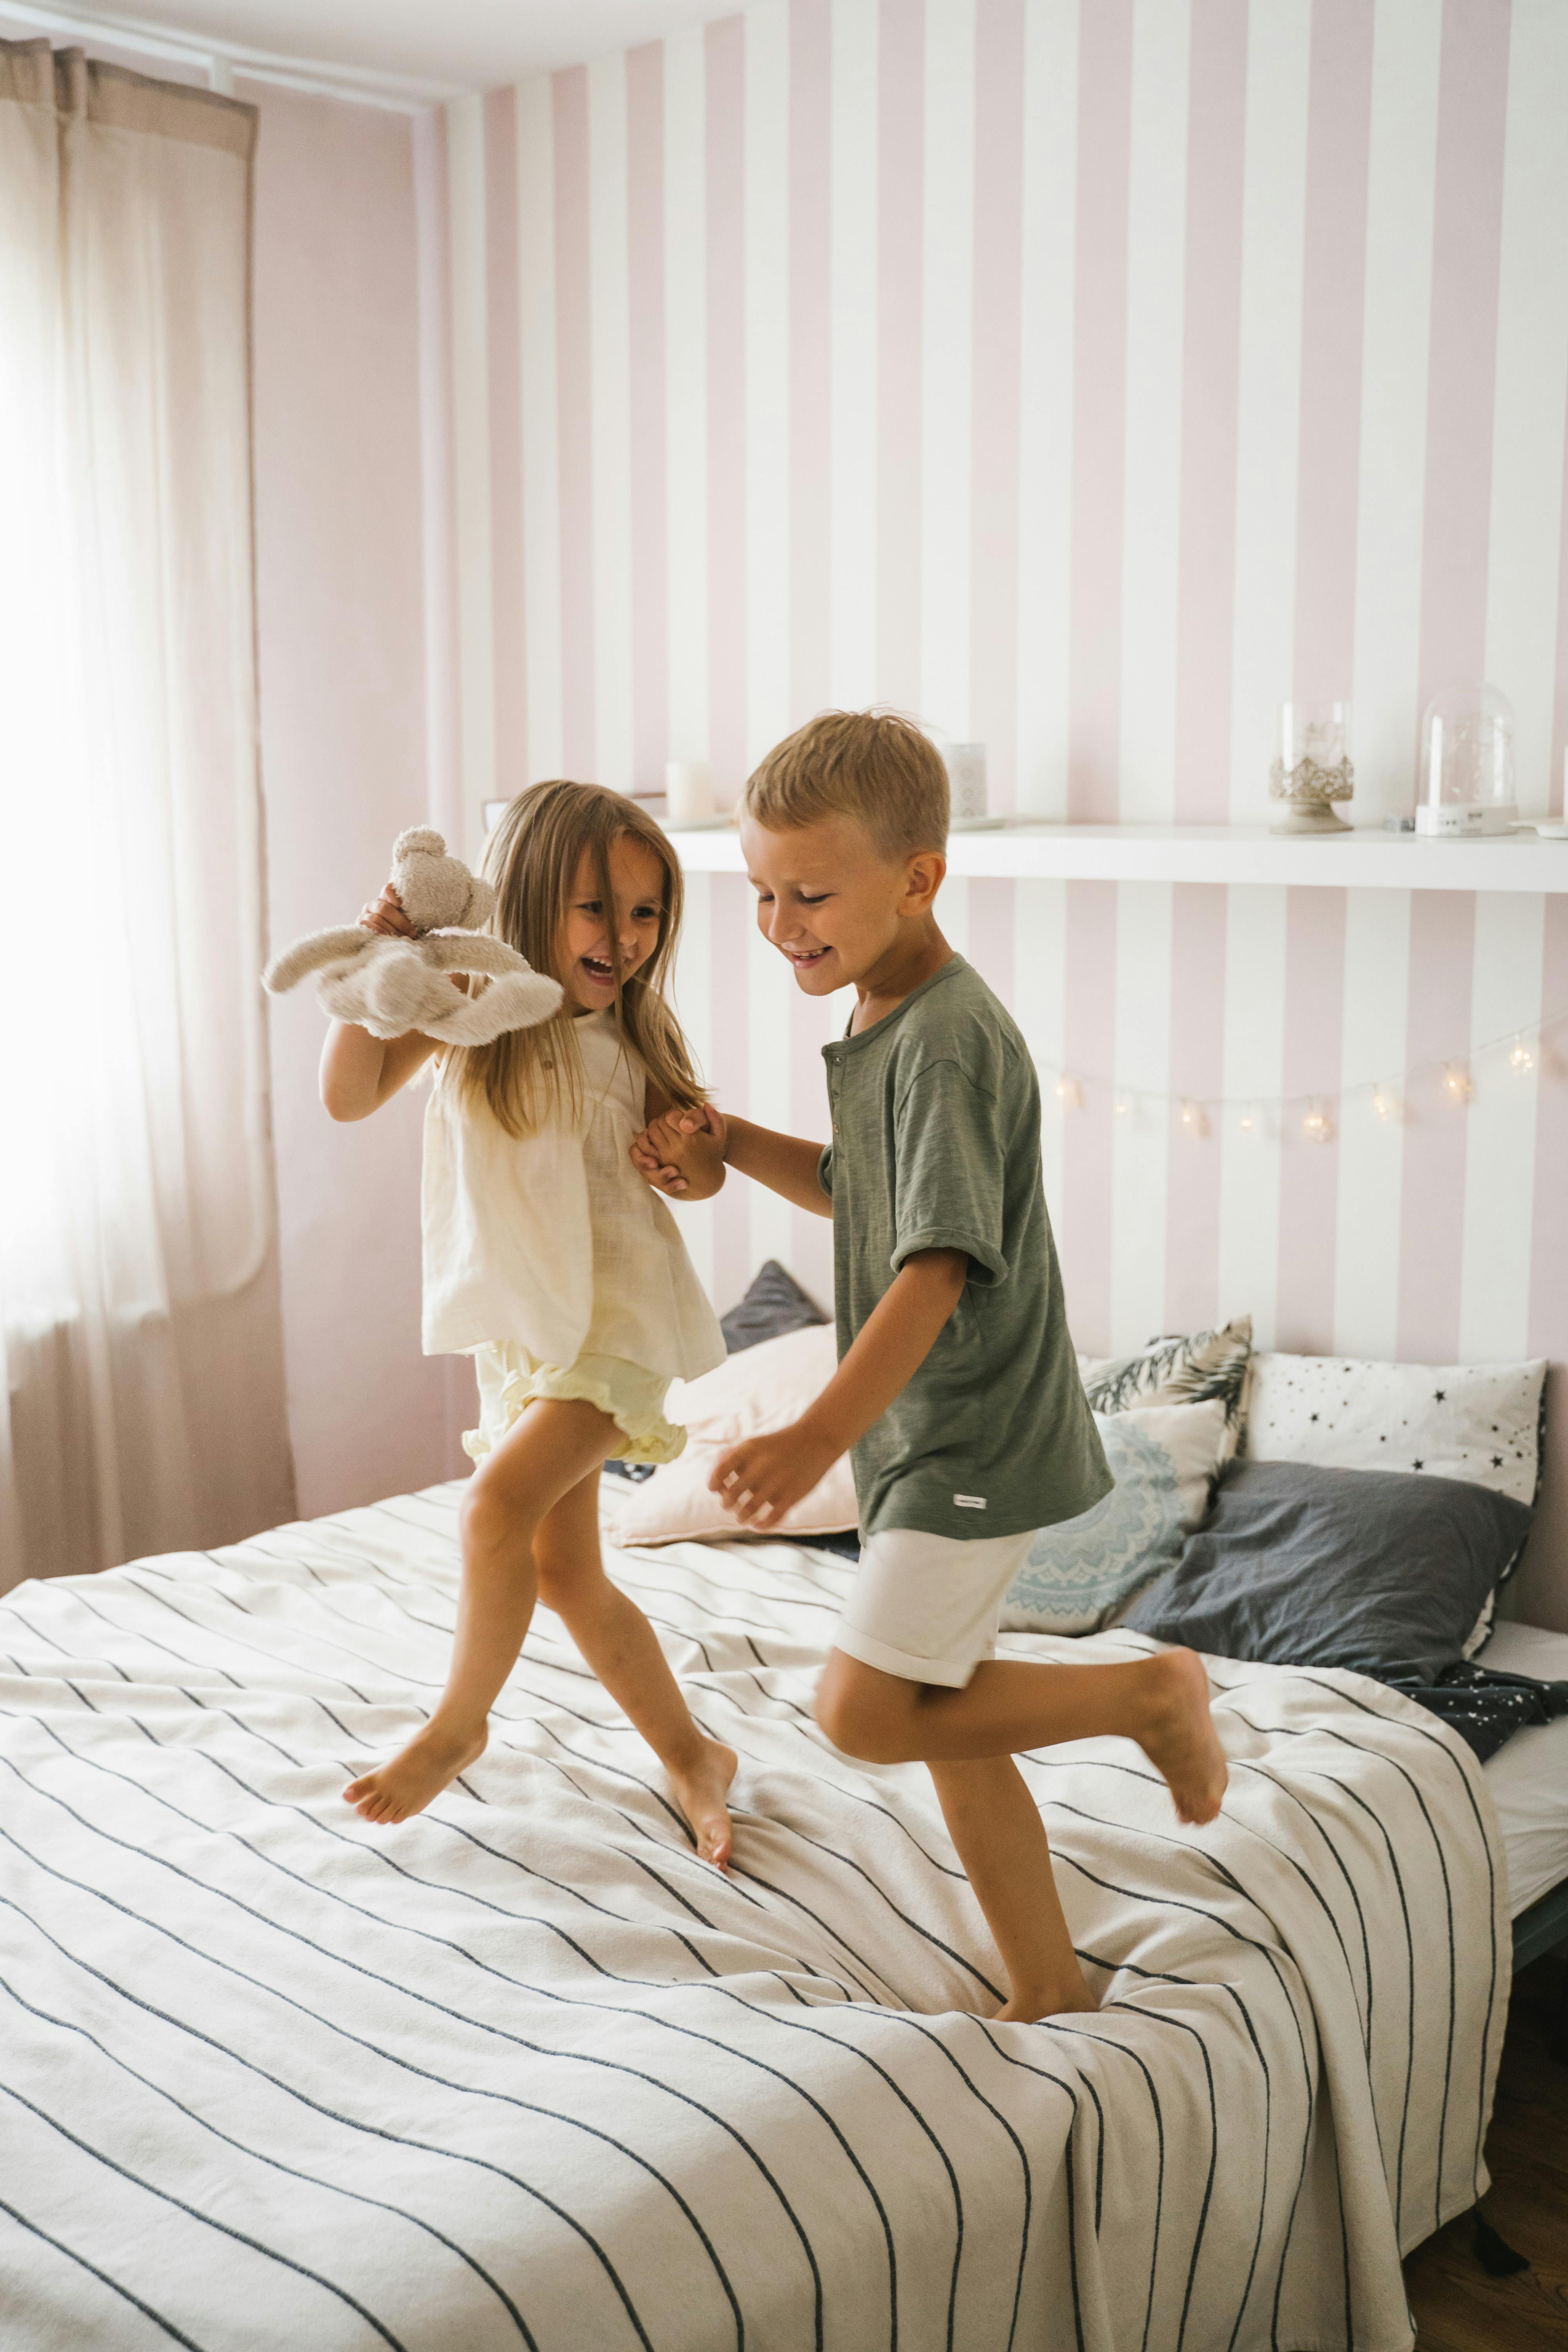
(1079, 1575)
(1478, 1423)
(1178, 1369)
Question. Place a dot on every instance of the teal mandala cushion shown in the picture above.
(1082, 1574)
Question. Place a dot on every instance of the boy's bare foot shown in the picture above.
(700, 1789)
(1028, 2008)
(416, 1774)
(1178, 1735)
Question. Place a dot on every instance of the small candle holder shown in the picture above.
(688, 796)
(1313, 768)
(965, 765)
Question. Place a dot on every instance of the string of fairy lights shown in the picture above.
(1518, 1052)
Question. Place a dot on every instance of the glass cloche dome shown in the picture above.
(1467, 763)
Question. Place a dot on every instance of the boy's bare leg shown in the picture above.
(1010, 1705)
(550, 1449)
(1001, 1841)
(620, 1645)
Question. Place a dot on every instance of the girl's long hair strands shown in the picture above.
(527, 1076)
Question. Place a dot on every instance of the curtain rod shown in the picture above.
(220, 62)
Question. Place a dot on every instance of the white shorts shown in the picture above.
(927, 1607)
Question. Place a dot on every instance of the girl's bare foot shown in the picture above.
(1178, 1736)
(1048, 2001)
(416, 1773)
(700, 1788)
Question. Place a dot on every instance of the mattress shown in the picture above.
(1528, 1777)
(523, 2073)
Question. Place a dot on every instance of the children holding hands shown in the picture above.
(549, 1258)
(957, 1394)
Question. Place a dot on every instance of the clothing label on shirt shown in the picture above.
(970, 1502)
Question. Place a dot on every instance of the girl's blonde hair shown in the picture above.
(527, 1076)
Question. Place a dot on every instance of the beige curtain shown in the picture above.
(138, 1292)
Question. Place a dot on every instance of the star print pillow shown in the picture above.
(1477, 1423)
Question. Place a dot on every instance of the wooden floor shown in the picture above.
(1458, 2307)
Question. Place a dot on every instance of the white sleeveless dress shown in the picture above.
(552, 1264)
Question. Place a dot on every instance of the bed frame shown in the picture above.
(1545, 1924)
(1535, 1931)
(1540, 1929)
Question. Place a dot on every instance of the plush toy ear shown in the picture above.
(402, 986)
(519, 1000)
(419, 841)
(518, 997)
(481, 903)
(455, 949)
(287, 969)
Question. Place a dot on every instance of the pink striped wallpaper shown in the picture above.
(1086, 378)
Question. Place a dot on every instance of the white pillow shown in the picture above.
(1084, 1572)
(765, 1388)
(1479, 1422)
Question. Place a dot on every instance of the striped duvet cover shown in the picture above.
(523, 2071)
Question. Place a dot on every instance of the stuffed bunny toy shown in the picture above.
(391, 986)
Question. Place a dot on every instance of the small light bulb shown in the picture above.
(1193, 1120)
(1245, 1122)
(1318, 1126)
(1457, 1082)
(1522, 1058)
(1070, 1093)
(1123, 1105)
(1385, 1104)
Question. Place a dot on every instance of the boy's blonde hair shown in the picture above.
(526, 1076)
(872, 765)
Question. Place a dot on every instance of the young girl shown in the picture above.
(550, 1260)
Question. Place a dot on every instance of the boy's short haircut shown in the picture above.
(872, 765)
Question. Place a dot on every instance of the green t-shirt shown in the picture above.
(936, 1145)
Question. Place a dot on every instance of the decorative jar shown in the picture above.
(1467, 764)
(1312, 769)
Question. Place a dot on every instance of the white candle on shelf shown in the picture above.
(689, 785)
(965, 764)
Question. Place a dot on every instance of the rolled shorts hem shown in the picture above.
(938, 1591)
(944, 1672)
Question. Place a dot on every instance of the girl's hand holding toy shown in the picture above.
(392, 972)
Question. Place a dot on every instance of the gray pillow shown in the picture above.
(774, 1304)
(1303, 1566)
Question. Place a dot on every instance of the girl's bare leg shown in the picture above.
(1001, 1841)
(1009, 1705)
(620, 1645)
(551, 1448)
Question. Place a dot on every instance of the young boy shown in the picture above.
(957, 1392)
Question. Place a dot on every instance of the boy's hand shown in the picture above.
(763, 1477)
(682, 1153)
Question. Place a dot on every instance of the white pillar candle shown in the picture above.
(965, 764)
(689, 787)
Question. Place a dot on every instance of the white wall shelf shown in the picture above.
(1371, 858)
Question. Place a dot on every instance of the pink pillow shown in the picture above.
(765, 1388)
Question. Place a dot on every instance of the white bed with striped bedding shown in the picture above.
(523, 2071)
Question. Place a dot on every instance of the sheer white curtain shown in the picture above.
(138, 1293)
